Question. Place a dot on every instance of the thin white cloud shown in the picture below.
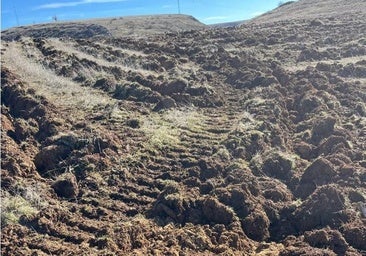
(168, 6)
(57, 5)
(255, 14)
(216, 18)
(76, 3)
(5, 11)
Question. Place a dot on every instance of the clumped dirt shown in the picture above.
(230, 141)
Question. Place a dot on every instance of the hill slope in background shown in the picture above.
(314, 9)
(238, 141)
(133, 26)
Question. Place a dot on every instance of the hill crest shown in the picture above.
(128, 26)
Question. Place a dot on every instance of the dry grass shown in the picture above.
(25, 202)
(184, 118)
(125, 64)
(293, 67)
(13, 207)
(246, 121)
(314, 9)
(131, 26)
(164, 129)
(160, 133)
(61, 91)
(142, 26)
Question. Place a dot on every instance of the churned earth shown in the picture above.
(247, 140)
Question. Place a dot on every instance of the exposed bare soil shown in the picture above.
(236, 141)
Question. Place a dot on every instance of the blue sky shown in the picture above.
(24, 12)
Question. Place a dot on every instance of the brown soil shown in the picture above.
(236, 141)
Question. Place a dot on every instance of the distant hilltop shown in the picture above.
(136, 26)
(313, 9)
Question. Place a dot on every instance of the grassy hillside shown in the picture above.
(133, 26)
(315, 9)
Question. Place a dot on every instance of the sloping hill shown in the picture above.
(239, 141)
(315, 9)
(226, 24)
(133, 26)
